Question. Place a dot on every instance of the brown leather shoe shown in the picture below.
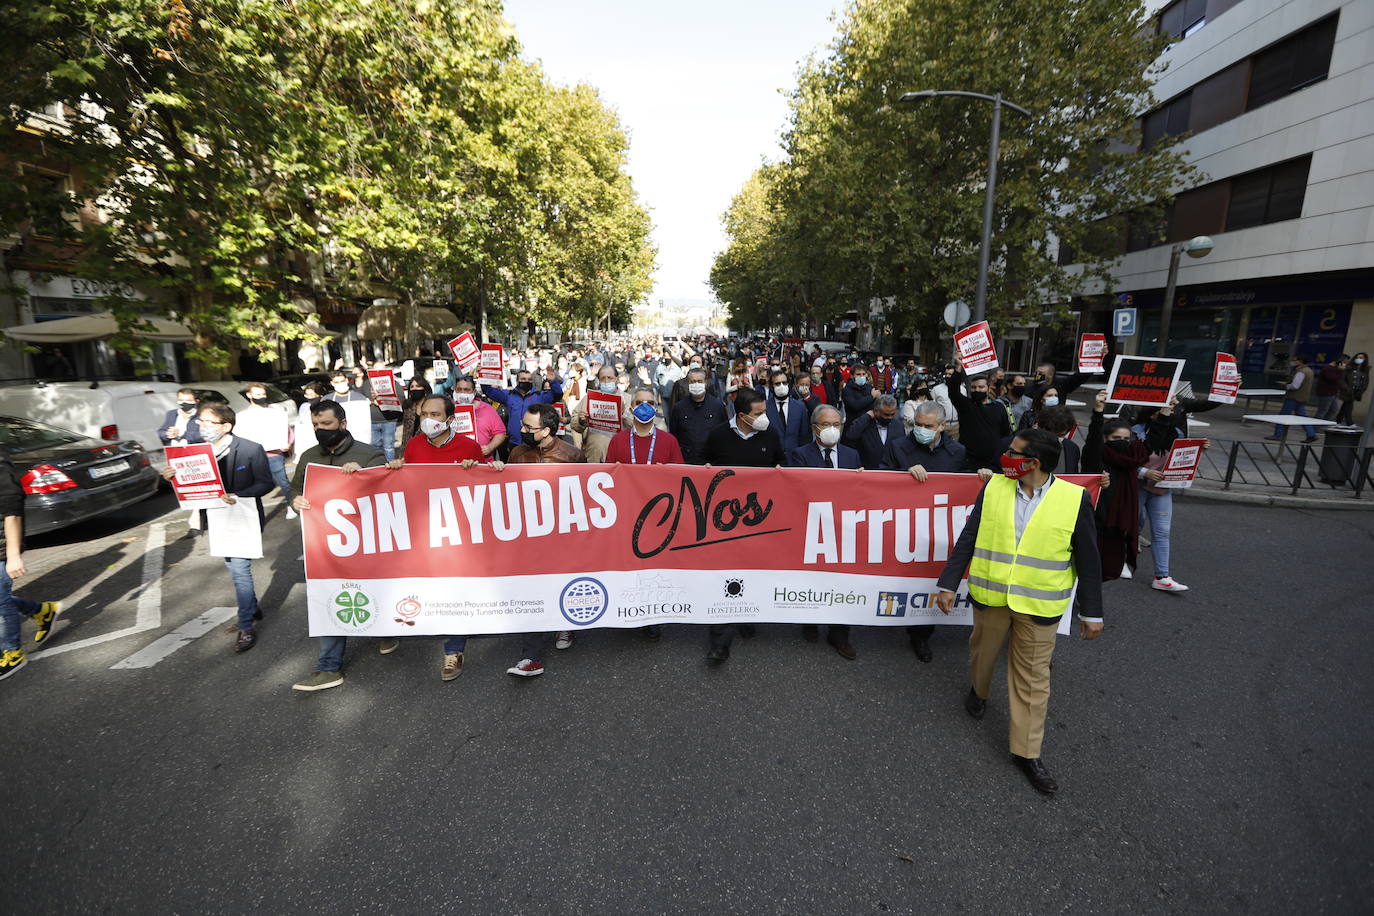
(845, 650)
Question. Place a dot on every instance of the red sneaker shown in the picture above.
(527, 668)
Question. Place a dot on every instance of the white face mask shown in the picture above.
(464, 397)
(1360, 361)
(432, 427)
(780, 391)
(696, 389)
(341, 387)
(829, 436)
(759, 423)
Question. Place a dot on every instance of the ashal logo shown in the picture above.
(892, 604)
(583, 601)
(407, 609)
(353, 607)
(734, 588)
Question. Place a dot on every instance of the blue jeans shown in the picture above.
(455, 644)
(384, 438)
(331, 653)
(277, 465)
(1158, 508)
(1290, 405)
(241, 572)
(12, 607)
(534, 645)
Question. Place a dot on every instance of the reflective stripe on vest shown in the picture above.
(1036, 576)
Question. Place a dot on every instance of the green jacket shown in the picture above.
(368, 456)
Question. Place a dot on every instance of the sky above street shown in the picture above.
(698, 86)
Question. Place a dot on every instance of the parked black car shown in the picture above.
(69, 478)
(294, 385)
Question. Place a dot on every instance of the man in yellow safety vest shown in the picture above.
(1030, 539)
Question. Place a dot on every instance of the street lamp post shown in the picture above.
(980, 299)
(1197, 247)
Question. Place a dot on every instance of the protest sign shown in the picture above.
(465, 420)
(603, 412)
(1092, 349)
(1181, 465)
(1147, 381)
(358, 415)
(1225, 380)
(267, 426)
(439, 370)
(493, 365)
(465, 352)
(197, 483)
(562, 416)
(435, 549)
(976, 350)
(384, 389)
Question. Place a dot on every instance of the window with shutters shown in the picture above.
(1268, 195)
(1296, 62)
(1168, 120)
(1182, 18)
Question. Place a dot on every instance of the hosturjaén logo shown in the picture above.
(892, 604)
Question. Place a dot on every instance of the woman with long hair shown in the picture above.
(1110, 447)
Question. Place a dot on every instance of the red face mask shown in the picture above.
(1016, 468)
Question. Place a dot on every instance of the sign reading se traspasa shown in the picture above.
(1147, 381)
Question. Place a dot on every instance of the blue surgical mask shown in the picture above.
(1051, 402)
(923, 435)
(644, 412)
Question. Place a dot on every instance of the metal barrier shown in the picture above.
(1289, 467)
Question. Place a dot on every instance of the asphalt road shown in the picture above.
(1213, 749)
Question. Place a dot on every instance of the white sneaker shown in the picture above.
(291, 513)
(1167, 584)
(563, 640)
(1126, 572)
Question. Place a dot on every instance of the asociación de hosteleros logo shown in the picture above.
(583, 601)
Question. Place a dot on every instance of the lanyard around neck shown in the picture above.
(653, 444)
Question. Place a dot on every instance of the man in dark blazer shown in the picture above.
(871, 431)
(825, 451)
(244, 472)
(786, 414)
(181, 424)
(1060, 421)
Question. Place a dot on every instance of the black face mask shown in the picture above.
(883, 421)
(185, 408)
(1018, 390)
(1119, 445)
(258, 401)
(330, 438)
(978, 397)
(524, 386)
(528, 439)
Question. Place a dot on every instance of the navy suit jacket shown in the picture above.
(863, 435)
(798, 422)
(809, 456)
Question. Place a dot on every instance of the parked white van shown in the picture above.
(101, 410)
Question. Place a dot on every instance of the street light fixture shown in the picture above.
(980, 299)
(1198, 246)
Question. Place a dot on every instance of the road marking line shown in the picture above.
(149, 615)
(188, 632)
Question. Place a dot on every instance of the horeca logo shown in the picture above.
(354, 608)
(583, 601)
(892, 604)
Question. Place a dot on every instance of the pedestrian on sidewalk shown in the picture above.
(1299, 390)
(244, 473)
(13, 607)
(1330, 388)
(1356, 383)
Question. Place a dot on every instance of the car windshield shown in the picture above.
(18, 436)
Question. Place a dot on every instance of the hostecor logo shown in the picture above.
(892, 604)
(583, 601)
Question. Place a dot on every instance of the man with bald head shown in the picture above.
(826, 451)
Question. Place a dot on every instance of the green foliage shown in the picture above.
(404, 142)
(876, 199)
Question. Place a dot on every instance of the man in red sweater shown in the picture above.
(643, 443)
(439, 444)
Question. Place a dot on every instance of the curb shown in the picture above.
(1281, 502)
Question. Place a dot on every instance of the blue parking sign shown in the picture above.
(1123, 322)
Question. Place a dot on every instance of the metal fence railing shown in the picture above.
(1293, 468)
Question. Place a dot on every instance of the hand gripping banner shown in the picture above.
(437, 549)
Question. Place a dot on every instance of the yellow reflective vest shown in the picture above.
(1035, 576)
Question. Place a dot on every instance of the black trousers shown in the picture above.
(921, 633)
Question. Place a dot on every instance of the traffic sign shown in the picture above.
(957, 314)
(1123, 322)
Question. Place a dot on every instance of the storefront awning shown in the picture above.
(96, 326)
(379, 322)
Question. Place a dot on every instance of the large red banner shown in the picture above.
(442, 549)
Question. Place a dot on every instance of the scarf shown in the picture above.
(1123, 509)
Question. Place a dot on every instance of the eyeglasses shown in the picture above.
(1015, 454)
(530, 429)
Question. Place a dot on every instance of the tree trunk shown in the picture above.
(412, 327)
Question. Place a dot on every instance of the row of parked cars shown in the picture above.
(83, 449)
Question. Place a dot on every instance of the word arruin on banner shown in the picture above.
(435, 549)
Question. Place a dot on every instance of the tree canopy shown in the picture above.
(241, 150)
(877, 199)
